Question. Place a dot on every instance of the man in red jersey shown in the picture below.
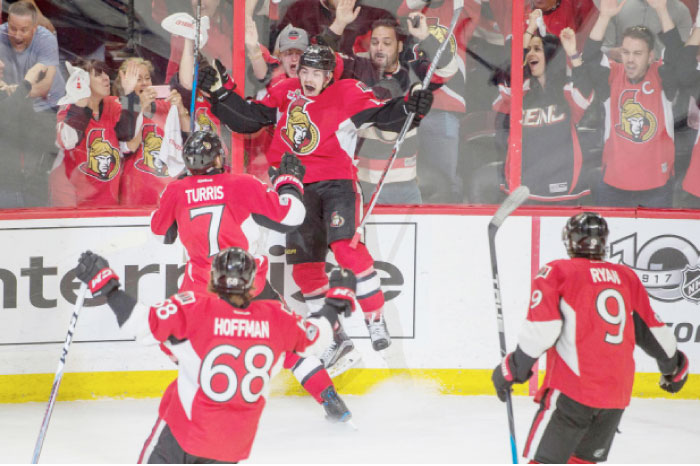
(212, 210)
(587, 314)
(318, 119)
(229, 345)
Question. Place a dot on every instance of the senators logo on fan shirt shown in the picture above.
(300, 133)
(150, 162)
(103, 159)
(636, 122)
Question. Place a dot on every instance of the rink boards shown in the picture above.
(435, 271)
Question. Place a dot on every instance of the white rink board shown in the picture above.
(434, 268)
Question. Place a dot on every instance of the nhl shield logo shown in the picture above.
(690, 285)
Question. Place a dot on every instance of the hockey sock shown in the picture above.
(576, 460)
(312, 280)
(310, 374)
(369, 293)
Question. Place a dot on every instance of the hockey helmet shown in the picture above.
(200, 152)
(320, 57)
(585, 235)
(232, 271)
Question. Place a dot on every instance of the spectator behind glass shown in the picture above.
(89, 131)
(578, 15)
(690, 74)
(29, 52)
(642, 13)
(638, 151)
(551, 154)
(389, 78)
(146, 173)
(439, 131)
(220, 33)
(317, 16)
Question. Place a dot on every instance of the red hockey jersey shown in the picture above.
(588, 315)
(89, 169)
(145, 176)
(225, 365)
(214, 212)
(639, 148)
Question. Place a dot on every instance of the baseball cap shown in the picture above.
(292, 38)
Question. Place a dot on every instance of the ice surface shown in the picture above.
(398, 423)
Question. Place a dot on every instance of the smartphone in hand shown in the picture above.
(162, 92)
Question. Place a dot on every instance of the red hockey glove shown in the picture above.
(673, 382)
(94, 270)
(502, 378)
(290, 174)
(341, 294)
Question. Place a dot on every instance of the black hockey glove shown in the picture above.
(341, 295)
(215, 80)
(419, 102)
(674, 381)
(516, 367)
(94, 270)
(289, 177)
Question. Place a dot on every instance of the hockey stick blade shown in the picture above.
(511, 203)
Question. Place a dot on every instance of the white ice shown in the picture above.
(397, 423)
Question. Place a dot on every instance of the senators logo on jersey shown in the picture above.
(300, 133)
(103, 160)
(636, 122)
(150, 162)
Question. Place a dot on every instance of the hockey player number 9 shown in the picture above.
(210, 369)
(601, 305)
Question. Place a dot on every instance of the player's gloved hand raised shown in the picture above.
(341, 295)
(215, 80)
(673, 382)
(94, 270)
(419, 102)
(289, 176)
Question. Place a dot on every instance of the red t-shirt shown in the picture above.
(586, 310)
(225, 367)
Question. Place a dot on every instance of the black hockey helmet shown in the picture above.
(585, 235)
(200, 152)
(232, 271)
(320, 57)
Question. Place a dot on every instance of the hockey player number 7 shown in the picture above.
(216, 211)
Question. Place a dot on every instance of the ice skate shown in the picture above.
(341, 355)
(336, 411)
(378, 332)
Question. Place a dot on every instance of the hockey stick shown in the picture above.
(511, 203)
(59, 373)
(459, 6)
(197, 26)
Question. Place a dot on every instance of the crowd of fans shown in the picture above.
(610, 109)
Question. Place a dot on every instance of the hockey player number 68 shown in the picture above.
(210, 369)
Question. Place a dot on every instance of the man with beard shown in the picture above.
(388, 78)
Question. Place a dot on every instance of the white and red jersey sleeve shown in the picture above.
(585, 313)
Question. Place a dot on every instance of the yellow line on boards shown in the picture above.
(19, 388)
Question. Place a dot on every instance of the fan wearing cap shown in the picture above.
(283, 63)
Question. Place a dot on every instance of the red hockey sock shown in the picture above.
(369, 293)
(310, 373)
(576, 460)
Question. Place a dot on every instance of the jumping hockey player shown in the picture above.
(212, 210)
(318, 118)
(587, 315)
(229, 346)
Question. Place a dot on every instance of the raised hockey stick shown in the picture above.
(59, 373)
(197, 26)
(459, 6)
(511, 203)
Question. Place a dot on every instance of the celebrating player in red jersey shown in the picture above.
(229, 347)
(587, 315)
(212, 210)
(318, 119)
